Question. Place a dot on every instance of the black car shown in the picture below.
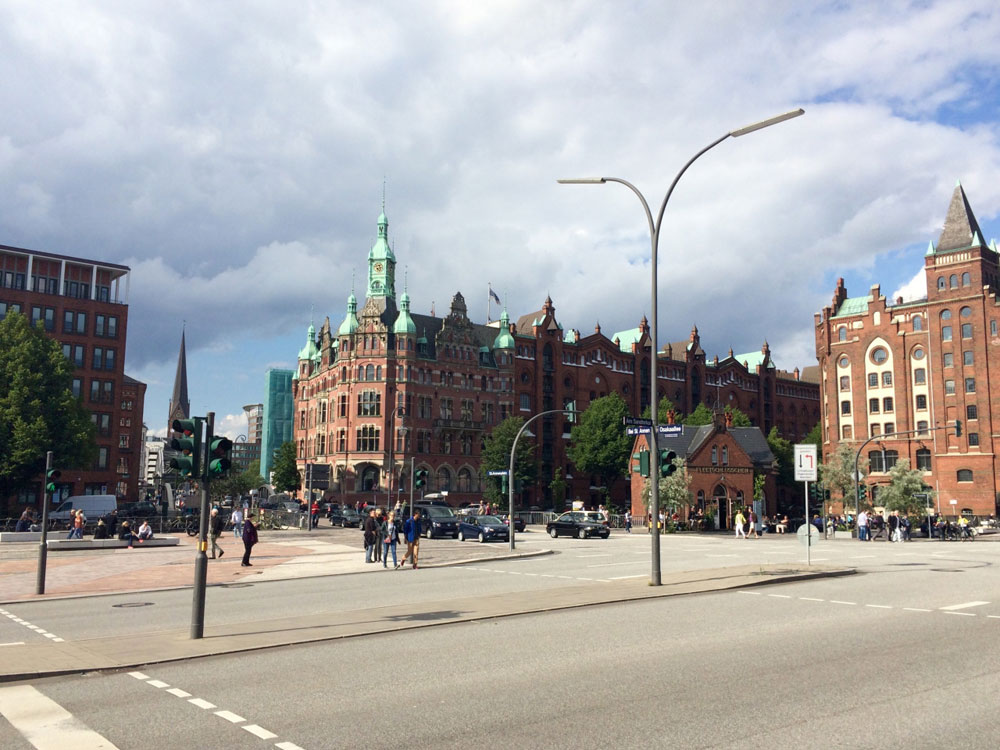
(483, 528)
(518, 523)
(141, 509)
(435, 520)
(345, 517)
(580, 524)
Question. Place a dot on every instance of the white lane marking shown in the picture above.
(734, 555)
(584, 557)
(878, 606)
(139, 676)
(916, 609)
(46, 724)
(179, 693)
(202, 703)
(257, 731)
(531, 574)
(622, 578)
(13, 643)
(994, 617)
(547, 575)
(750, 593)
(964, 614)
(811, 599)
(158, 683)
(513, 572)
(966, 605)
(287, 746)
(836, 601)
(58, 640)
(585, 579)
(779, 596)
(612, 565)
(568, 578)
(861, 557)
(230, 716)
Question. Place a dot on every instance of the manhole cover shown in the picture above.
(127, 605)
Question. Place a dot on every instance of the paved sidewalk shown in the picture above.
(131, 652)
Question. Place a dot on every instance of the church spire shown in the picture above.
(960, 226)
(180, 407)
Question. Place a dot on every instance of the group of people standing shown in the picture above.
(871, 526)
(243, 527)
(381, 536)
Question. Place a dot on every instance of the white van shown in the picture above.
(93, 507)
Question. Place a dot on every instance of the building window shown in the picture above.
(965, 312)
(715, 457)
(873, 380)
(918, 353)
(941, 284)
(95, 390)
(873, 405)
(921, 402)
(876, 462)
(845, 407)
(973, 439)
(964, 475)
(993, 328)
(919, 376)
(845, 382)
(368, 438)
(967, 357)
(891, 457)
(842, 333)
(886, 378)
(966, 279)
(922, 426)
(970, 385)
(966, 330)
(949, 387)
(369, 404)
(971, 412)
(874, 430)
(847, 432)
(102, 459)
(953, 281)
(887, 404)
(949, 359)
(843, 362)
(447, 407)
(525, 402)
(890, 427)
(725, 455)
(918, 323)
(923, 459)
(946, 333)
(77, 387)
(879, 355)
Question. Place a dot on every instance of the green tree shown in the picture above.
(905, 484)
(38, 411)
(558, 488)
(600, 445)
(701, 415)
(675, 490)
(740, 419)
(662, 408)
(815, 437)
(837, 474)
(287, 477)
(238, 483)
(784, 454)
(496, 457)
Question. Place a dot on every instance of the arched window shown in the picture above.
(946, 315)
(923, 459)
(918, 323)
(444, 479)
(941, 283)
(964, 475)
(465, 480)
(378, 372)
(725, 455)
(842, 333)
(715, 456)
(966, 279)
(953, 281)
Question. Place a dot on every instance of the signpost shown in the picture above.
(805, 472)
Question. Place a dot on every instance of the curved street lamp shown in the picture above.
(654, 237)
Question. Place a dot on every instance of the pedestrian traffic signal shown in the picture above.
(220, 456)
(863, 492)
(189, 444)
(958, 428)
(420, 478)
(667, 466)
(814, 491)
(51, 477)
(643, 458)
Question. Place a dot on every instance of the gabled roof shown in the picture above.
(750, 439)
(853, 306)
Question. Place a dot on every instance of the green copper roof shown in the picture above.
(310, 350)
(504, 340)
(627, 338)
(853, 306)
(753, 360)
(404, 323)
(350, 324)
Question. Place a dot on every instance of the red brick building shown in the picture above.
(890, 367)
(83, 304)
(455, 380)
(721, 461)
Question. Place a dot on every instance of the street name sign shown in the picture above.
(497, 473)
(638, 430)
(636, 422)
(670, 430)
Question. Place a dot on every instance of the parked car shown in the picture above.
(483, 528)
(518, 523)
(345, 517)
(578, 523)
(141, 509)
(436, 520)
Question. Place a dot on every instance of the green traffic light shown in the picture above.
(220, 459)
(51, 477)
(667, 466)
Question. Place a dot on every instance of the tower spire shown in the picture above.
(180, 407)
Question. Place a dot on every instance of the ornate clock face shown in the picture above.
(378, 268)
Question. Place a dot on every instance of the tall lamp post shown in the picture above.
(390, 442)
(654, 236)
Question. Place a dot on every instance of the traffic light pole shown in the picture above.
(201, 557)
(43, 547)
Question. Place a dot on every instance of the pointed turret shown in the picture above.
(404, 324)
(382, 262)
(504, 340)
(350, 324)
(310, 351)
(180, 408)
(960, 226)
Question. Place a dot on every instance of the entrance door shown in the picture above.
(721, 501)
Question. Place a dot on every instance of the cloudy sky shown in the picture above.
(234, 156)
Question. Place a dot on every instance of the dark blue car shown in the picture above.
(483, 528)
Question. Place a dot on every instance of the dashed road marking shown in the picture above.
(622, 578)
(811, 599)
(916, 609)
(837, 601)
(201, 703)
(46, 724)
(41, 631)
(230, 717)
(964, 614)
(966, 605)
(878, 606)
(257, 731)
(780, 596)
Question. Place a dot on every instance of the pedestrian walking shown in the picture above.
(738, 524)
(389, 535)
(238, 523)
(628, 522)
(895, 534)
(249, 540)
(753, 525)
(411, 530)
(371, 535)
(379, 521)
(216, 524)
(314, 512)
(863, 526)
(24, 522)
(76, 525)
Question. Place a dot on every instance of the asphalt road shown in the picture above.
(901, 656)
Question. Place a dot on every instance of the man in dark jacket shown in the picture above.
(216, 525)
(371, 535)
(412, 531)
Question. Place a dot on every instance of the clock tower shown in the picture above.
(382, 263)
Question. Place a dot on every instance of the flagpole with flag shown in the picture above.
(492, 296)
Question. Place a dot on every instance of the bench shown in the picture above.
(20, 536)
(73, 544)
